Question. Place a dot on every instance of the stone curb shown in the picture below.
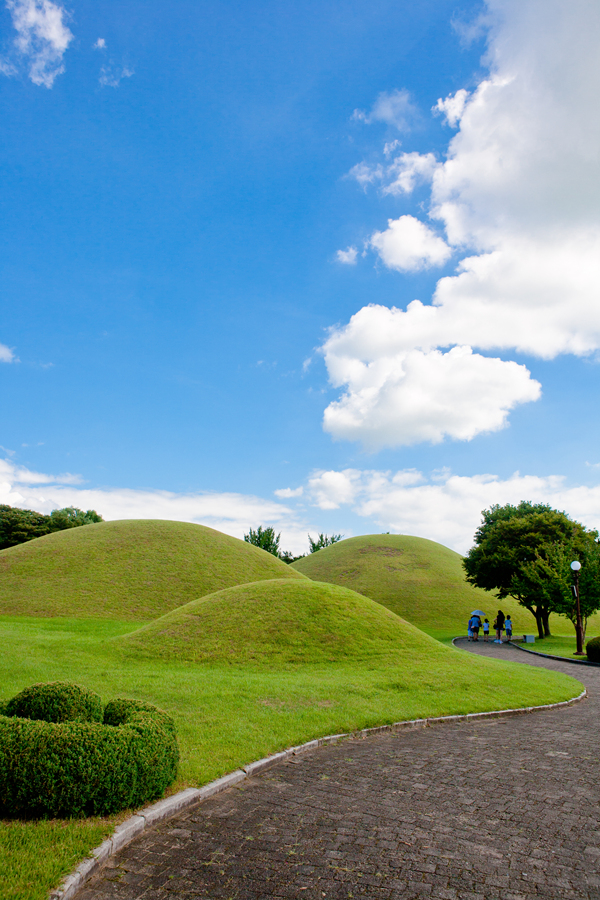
(165, 809)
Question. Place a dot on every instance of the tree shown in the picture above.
(324, 540)
(516, 550)
(72, 517)
(265, 539)
(20, 525)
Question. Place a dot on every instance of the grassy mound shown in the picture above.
(420, 580)
(279, 622)
(129, 569)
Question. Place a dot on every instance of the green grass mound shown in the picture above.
(279, 622)
(420, 580)
(129, 569)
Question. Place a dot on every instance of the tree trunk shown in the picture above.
(546, 621)
(540, 623)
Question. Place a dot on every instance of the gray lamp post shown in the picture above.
(576, 566)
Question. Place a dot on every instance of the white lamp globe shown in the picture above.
(575, 565)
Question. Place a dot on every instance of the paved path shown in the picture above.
(507, 808)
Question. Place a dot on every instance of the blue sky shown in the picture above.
(214, 218)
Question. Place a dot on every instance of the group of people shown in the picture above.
(501, 623)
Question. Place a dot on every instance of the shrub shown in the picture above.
(57, 701)
(592, 648)
(73, 768)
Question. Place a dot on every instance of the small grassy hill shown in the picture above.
(129, 569)
(279, 622)
(420, 580)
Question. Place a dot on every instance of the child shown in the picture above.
(469, 632)
(508, 628)
(486, 629)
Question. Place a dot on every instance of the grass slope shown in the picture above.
(277, 623)
(234, 707)
(129, 569)
(420, 580)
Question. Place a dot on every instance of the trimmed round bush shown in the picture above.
(592, 648)
(73, 768)
(56, 701)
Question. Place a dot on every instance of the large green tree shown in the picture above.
(20, 525)
(323, 540)
(523, 552)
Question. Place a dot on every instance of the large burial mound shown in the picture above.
(129, 569)
(420, 580)
(272, 623)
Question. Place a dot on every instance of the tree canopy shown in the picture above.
(323, 540)
(525, 552)
(20, 525)
(265, 538)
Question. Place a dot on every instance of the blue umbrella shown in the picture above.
(478, 612)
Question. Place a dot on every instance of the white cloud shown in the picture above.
(7, 355)
(416, 396)
(408, 245)
(111, 76)
(446, 508)
(288, 493)
(519, 197)
(42, 37)
(230, 512)
(100, 44)
(347, 257)
(407, 170)
(452, 107)
(394, 108)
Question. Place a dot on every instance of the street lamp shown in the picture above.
(576, 566)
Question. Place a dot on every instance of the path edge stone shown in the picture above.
(128, 830)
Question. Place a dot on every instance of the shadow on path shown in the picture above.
(506, 808)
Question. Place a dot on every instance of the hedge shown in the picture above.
(592, 648)
(78, 767)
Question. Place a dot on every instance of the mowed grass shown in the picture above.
(230, 711)
(560, 645)
(420, 580)
(129, 569)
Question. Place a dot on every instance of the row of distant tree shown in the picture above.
(266, 539)
(20, 525)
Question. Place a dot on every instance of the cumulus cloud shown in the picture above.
(452, 107)
(347, 257)
(231, 513)
(288, 493)
(100, 44)
(408, 245)
(6, 354)
(400, 176)
(518, 197)
(445, 507)
(42, 37)
(415, 396)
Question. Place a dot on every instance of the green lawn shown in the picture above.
(228, 715)
(558, 645)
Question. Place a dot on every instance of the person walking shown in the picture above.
(469, 632)
(508, 628)
(475, 624)
(486, 629)
(499, 626)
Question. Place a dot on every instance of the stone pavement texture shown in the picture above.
(506, 808)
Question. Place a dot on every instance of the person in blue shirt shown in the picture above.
(486, 629)
(475, 624)
(508, 628)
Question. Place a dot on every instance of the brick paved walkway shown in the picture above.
(507, 808)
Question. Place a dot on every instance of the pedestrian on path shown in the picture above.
(499, 626)
(508, 627)
(475, 624)
(469, 632)
(486, 629)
